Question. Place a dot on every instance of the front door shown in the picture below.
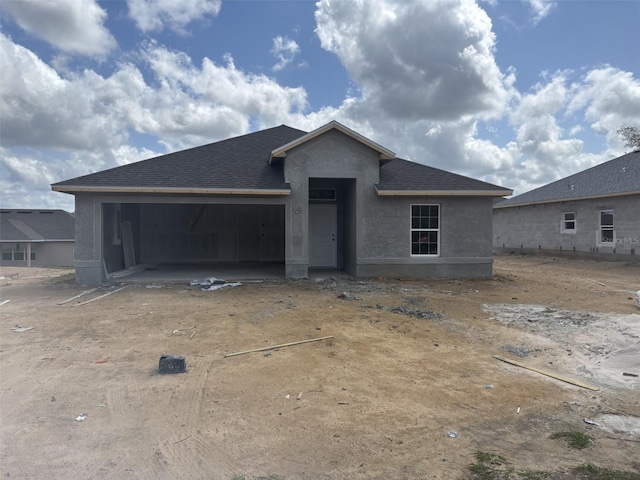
(322, 235)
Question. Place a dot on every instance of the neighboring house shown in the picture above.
(595, 212)
(37, 238)
(330, 198)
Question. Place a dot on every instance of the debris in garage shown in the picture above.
(213, 283)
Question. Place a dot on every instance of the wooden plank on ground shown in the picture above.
(264, 349)
(101, 296)
(548, 374)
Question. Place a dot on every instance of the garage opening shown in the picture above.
(192, 234)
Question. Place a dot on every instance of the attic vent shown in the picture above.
(26, 211)
(5, 211)
(45, 212)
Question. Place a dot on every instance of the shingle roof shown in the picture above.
(241, 163)
(619, 176)
(238, 163)
(399, 175)
(36, 225)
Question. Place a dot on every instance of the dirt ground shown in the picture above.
(406, 388)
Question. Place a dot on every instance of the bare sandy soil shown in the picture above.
(406, 388)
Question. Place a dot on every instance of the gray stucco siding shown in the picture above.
(465, 227)
(330, 156)
(539, 227)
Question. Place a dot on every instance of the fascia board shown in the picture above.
(571, 199)
(172, 190)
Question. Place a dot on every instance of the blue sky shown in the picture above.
(518, 93)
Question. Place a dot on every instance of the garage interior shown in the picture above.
(194, 238)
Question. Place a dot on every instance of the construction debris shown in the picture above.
(98, 298)
(548, 374)
(78, 296)
(19, 329)
(172, 364)
(213, 283)
(277, 346)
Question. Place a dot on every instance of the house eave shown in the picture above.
(44, 240)
(443, 193)
(572, 199)
(281, 152)
(169, 190)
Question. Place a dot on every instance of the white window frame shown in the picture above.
(599, 233)
(16, 250)
(563, 225)
(423, 229)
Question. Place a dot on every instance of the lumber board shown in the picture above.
(78, 296)
(98, 298)
(264, 349)
(548, 374)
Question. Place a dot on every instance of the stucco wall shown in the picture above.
(331, 155)
(465, 238)
(537, 228)
(382, 223)
(88, 248)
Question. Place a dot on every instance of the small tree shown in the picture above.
(631, 135)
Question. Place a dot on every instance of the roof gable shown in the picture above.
(282, 150)
(36, 225)
(620, 176)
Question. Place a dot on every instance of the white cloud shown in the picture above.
(284, 50)
(155, 15)
(73, 26)
(38, 108)
(541, 9)
(609, 98)
(84, 122)
(412, 60)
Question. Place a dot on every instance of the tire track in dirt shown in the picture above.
(190, 452)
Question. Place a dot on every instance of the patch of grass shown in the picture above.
(588, 471)
(491, 466)
(577, 440)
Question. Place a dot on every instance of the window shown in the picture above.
(425, 229)
(18, 252)
(568, 222)
(324, 194)
(15, 252)
(606, 234)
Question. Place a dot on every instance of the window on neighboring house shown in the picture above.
(16, 252)
(7, 251)
(606, 233)
(569, 222)
(425, 229)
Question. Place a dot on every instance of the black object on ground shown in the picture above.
(172, 364)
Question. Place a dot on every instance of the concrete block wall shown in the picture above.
(539, 227)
